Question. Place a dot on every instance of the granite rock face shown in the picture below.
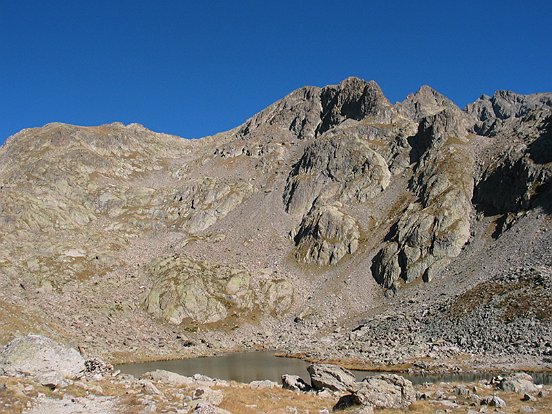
(339, 168)
(192, 292)
(433, 229)
(491, 114)
(298, 113)
(325, 235)
(519, 178)
(424, 103)
(354, 99)
(382, 391)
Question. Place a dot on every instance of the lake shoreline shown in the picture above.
(411, 369)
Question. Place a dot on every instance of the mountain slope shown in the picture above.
(329, 208)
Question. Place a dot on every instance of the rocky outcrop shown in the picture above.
(338, 167)
(520, 383)
(193, 292)
(520, 178)
(330, 377)
(200, 204)
(326, 235)
(310, 111)
(298, 113)
(432, 230)
(333, 169)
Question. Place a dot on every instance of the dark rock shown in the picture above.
(294, 383)
(493, 401)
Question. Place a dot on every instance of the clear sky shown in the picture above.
(193, 68)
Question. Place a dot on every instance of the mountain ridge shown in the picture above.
(332, 201)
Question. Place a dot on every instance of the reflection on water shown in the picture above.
(252, 366)
(242, 367)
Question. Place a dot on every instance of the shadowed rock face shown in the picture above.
(126, 227)
(354, 99)
(518, 179)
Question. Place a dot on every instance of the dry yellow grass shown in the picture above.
(273, 401)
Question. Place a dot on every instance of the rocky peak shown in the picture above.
(298, 113)
(310, 111)
(423, 103)
(356, 99)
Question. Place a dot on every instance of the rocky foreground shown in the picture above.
(38, 375)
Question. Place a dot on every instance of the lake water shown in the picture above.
(252, 366)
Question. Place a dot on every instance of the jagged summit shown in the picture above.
(491, 112)
(425, 102)
(356, 99)
(310, 111)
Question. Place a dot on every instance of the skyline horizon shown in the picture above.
(393, 102)
(195, 69)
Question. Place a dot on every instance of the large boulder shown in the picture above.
(39, 356)
(493, 401)
(519, 382)
(382, 391)
(331, 377)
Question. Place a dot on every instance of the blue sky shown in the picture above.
(196, 68)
